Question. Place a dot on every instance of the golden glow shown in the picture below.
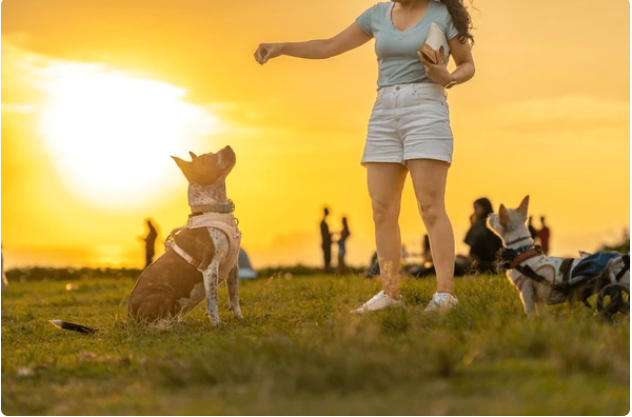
(97, 96)
(111, 134)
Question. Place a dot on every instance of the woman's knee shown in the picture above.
(385, 211)
(431, 211)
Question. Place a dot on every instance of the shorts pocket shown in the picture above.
(429, 94)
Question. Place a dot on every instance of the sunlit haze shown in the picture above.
(97, 96)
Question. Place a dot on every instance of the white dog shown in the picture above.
(545, 280)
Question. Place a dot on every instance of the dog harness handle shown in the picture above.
(187, 257)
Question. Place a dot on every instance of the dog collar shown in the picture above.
(520, 239)
(531, 253)
(222, 208)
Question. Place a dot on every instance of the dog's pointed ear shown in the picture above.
(193, 156)
(523, 208)
(185, 167)
(503, 216)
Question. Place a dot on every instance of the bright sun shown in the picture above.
(111, 135)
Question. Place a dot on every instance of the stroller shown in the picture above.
(608, 275)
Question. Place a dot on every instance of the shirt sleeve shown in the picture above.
(365, 20)
(450, 30)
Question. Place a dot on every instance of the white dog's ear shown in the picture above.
(193, 156)
(523, 208)
(503, 216)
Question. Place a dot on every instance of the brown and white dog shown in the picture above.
(198, 256)
(542, 279)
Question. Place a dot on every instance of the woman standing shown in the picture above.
(409, 128)
(342, 248)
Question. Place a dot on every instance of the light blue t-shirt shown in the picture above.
(397, 50)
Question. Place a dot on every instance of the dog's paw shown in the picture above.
(215, 321)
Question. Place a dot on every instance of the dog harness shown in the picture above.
(513, 259)
(572, 279)
(224, 222)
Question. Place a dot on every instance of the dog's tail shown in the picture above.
(65, 325)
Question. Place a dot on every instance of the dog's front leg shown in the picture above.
(211, 278)
(233, 291)
(527, 294)
(541, 309)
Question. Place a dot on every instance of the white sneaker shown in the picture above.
(441, 301)
(380, 301)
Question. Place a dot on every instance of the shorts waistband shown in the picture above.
(432, 89)
(417, 86)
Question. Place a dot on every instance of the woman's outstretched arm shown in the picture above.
(348, 39)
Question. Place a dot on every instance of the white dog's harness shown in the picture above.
(562, 275)
(226, 223)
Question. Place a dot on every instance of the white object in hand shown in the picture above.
(435, 40)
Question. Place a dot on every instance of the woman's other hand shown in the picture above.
(436, 72)
(267, 51)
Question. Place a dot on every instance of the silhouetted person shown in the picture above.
(374, 267)
(483, 243)
(5, 283)
(326, 241)
(150, 244)
(532, 231)
(342, 247)
(426, 252)
(545, 235)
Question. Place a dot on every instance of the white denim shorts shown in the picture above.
(409, 121)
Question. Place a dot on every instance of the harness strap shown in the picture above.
(528, 272)
(190, 259)
(524, 256)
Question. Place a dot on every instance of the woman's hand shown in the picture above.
(267, 51)
(436, 72)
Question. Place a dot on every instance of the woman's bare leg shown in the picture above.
(386, 182)
(429, 180)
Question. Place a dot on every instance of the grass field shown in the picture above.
(298, 351)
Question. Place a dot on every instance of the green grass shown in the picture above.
(298, 351)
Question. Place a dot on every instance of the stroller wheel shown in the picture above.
(612, 299)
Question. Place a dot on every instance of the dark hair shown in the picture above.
(461, 19)
(487, 206)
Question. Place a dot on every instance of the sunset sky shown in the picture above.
(96, 96)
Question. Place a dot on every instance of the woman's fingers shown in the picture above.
(423, 59)
(441, 56)
(260, 53)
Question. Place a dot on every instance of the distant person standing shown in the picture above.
(326, 241)
(532, 231)
(342, 247)
(545, 235)
(5, 283)
(150, 244)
